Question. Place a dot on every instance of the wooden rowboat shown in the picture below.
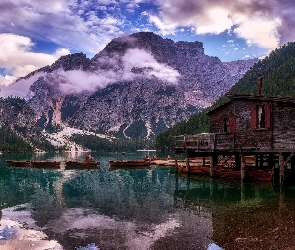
(251, 173)
(17, 163)
(130, 163)
(48, 164)
(77, 164)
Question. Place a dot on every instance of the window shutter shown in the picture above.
(268, 116)
(253, 114)
(232, 124)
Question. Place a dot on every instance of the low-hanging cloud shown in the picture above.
(142, 59)
(121, 68)
(77, 81)
(267, 23)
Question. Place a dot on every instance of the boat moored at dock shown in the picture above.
(45, 164)
(17, 163)
(77, 164)
(130, 164)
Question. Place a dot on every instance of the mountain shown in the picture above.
(277, 70)
(136, 87)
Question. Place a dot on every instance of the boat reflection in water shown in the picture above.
(140, 209)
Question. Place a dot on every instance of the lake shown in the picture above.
(138, 209)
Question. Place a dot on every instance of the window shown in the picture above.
(226, 125)
(261, 116)
(229, 124)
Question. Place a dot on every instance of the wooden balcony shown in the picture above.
(206, 142)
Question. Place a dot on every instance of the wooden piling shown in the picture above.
(176, 164)
(282, 168)
(187, 162)
(211, 165)
(242, 160)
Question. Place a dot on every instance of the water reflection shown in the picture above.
(244, 215)
(19, 231)
(140, 209)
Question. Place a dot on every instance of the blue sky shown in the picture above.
(35, 33)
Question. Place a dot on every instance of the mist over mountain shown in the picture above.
(136, 87)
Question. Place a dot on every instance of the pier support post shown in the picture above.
(211, 157)
(187, 162)
(176, 164)
(242, 158)
(282, 168)
(256, 160)
(261, 162)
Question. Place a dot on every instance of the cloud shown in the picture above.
(142, 59)
(77, 81)
(81, 26)
(136, 63)
(266, 34)
(18, 60)
(19, 88)
(266, 23)
(165, 26)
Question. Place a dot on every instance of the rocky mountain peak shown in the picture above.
(152, 43)
(71, 62)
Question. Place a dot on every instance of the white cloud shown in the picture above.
(77, 81)
(266, 23)
(265, 34)
(142, 59)
(19, 88)
(215, 21)
(18, 60)
(165, 27)
(205, 18)
(62, 22)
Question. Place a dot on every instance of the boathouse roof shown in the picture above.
(252, 97)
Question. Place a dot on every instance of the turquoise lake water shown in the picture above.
(138, 209)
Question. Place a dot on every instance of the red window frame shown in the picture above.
(232, 124)
(254, 116)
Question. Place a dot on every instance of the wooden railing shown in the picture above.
(225, 141)
(205, 142)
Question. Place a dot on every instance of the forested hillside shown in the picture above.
(278, 72)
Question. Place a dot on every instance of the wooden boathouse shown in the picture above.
(256, 133)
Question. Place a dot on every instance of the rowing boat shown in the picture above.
(50, 164)
(77, 164)
(130, 163)
(18, 163)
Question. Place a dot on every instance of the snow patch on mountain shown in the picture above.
(62, 138)
(149, 129)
